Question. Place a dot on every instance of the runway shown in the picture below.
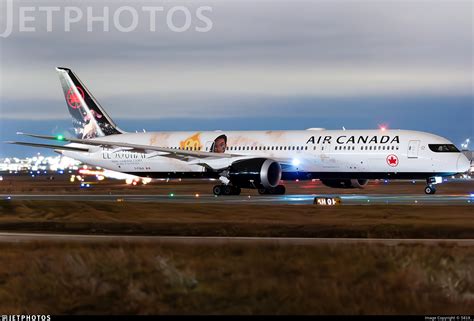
(207, 240)
(303, 199)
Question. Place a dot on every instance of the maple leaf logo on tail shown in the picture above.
(72, 98)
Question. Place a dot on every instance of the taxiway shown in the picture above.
(295, 199)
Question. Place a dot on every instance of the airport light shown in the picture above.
(465, 145)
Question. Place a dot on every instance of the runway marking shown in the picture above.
(7, 237)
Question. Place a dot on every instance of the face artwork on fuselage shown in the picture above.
(220, 144)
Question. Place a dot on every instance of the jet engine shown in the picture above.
(345, 183)
(255, 173)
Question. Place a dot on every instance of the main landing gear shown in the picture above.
(226, 190)
(279, 190)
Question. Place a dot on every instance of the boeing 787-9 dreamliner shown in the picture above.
(252, 159)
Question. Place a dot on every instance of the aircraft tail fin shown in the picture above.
(89, 118)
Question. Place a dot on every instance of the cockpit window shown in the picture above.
(443, 148)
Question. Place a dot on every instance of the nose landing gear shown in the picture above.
(430, 189)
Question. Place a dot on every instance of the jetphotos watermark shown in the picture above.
(126, 18)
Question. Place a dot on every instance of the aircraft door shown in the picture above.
(413, 147)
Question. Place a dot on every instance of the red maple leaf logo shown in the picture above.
(392, 160)
(72, 99)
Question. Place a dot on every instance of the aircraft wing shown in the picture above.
(202, 158)
(57, 147)
(174, 153)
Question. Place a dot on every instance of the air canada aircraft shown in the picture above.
(252, 159)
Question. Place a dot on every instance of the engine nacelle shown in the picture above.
(345, 183)
(255, 173)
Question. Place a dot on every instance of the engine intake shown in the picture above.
(255, 173)
(345, 183)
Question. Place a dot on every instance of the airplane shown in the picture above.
(251, 159)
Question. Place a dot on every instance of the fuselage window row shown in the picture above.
(265, 148)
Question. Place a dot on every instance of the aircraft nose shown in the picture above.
(463, 164)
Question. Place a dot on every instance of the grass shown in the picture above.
(146, 278)
(377, 221)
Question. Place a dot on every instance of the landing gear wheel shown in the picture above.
(227, 190)
(236, 190)
(262, 191)
(280, 190)
(430, 189)
(217, 190)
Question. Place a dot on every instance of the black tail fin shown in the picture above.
(88, 118)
